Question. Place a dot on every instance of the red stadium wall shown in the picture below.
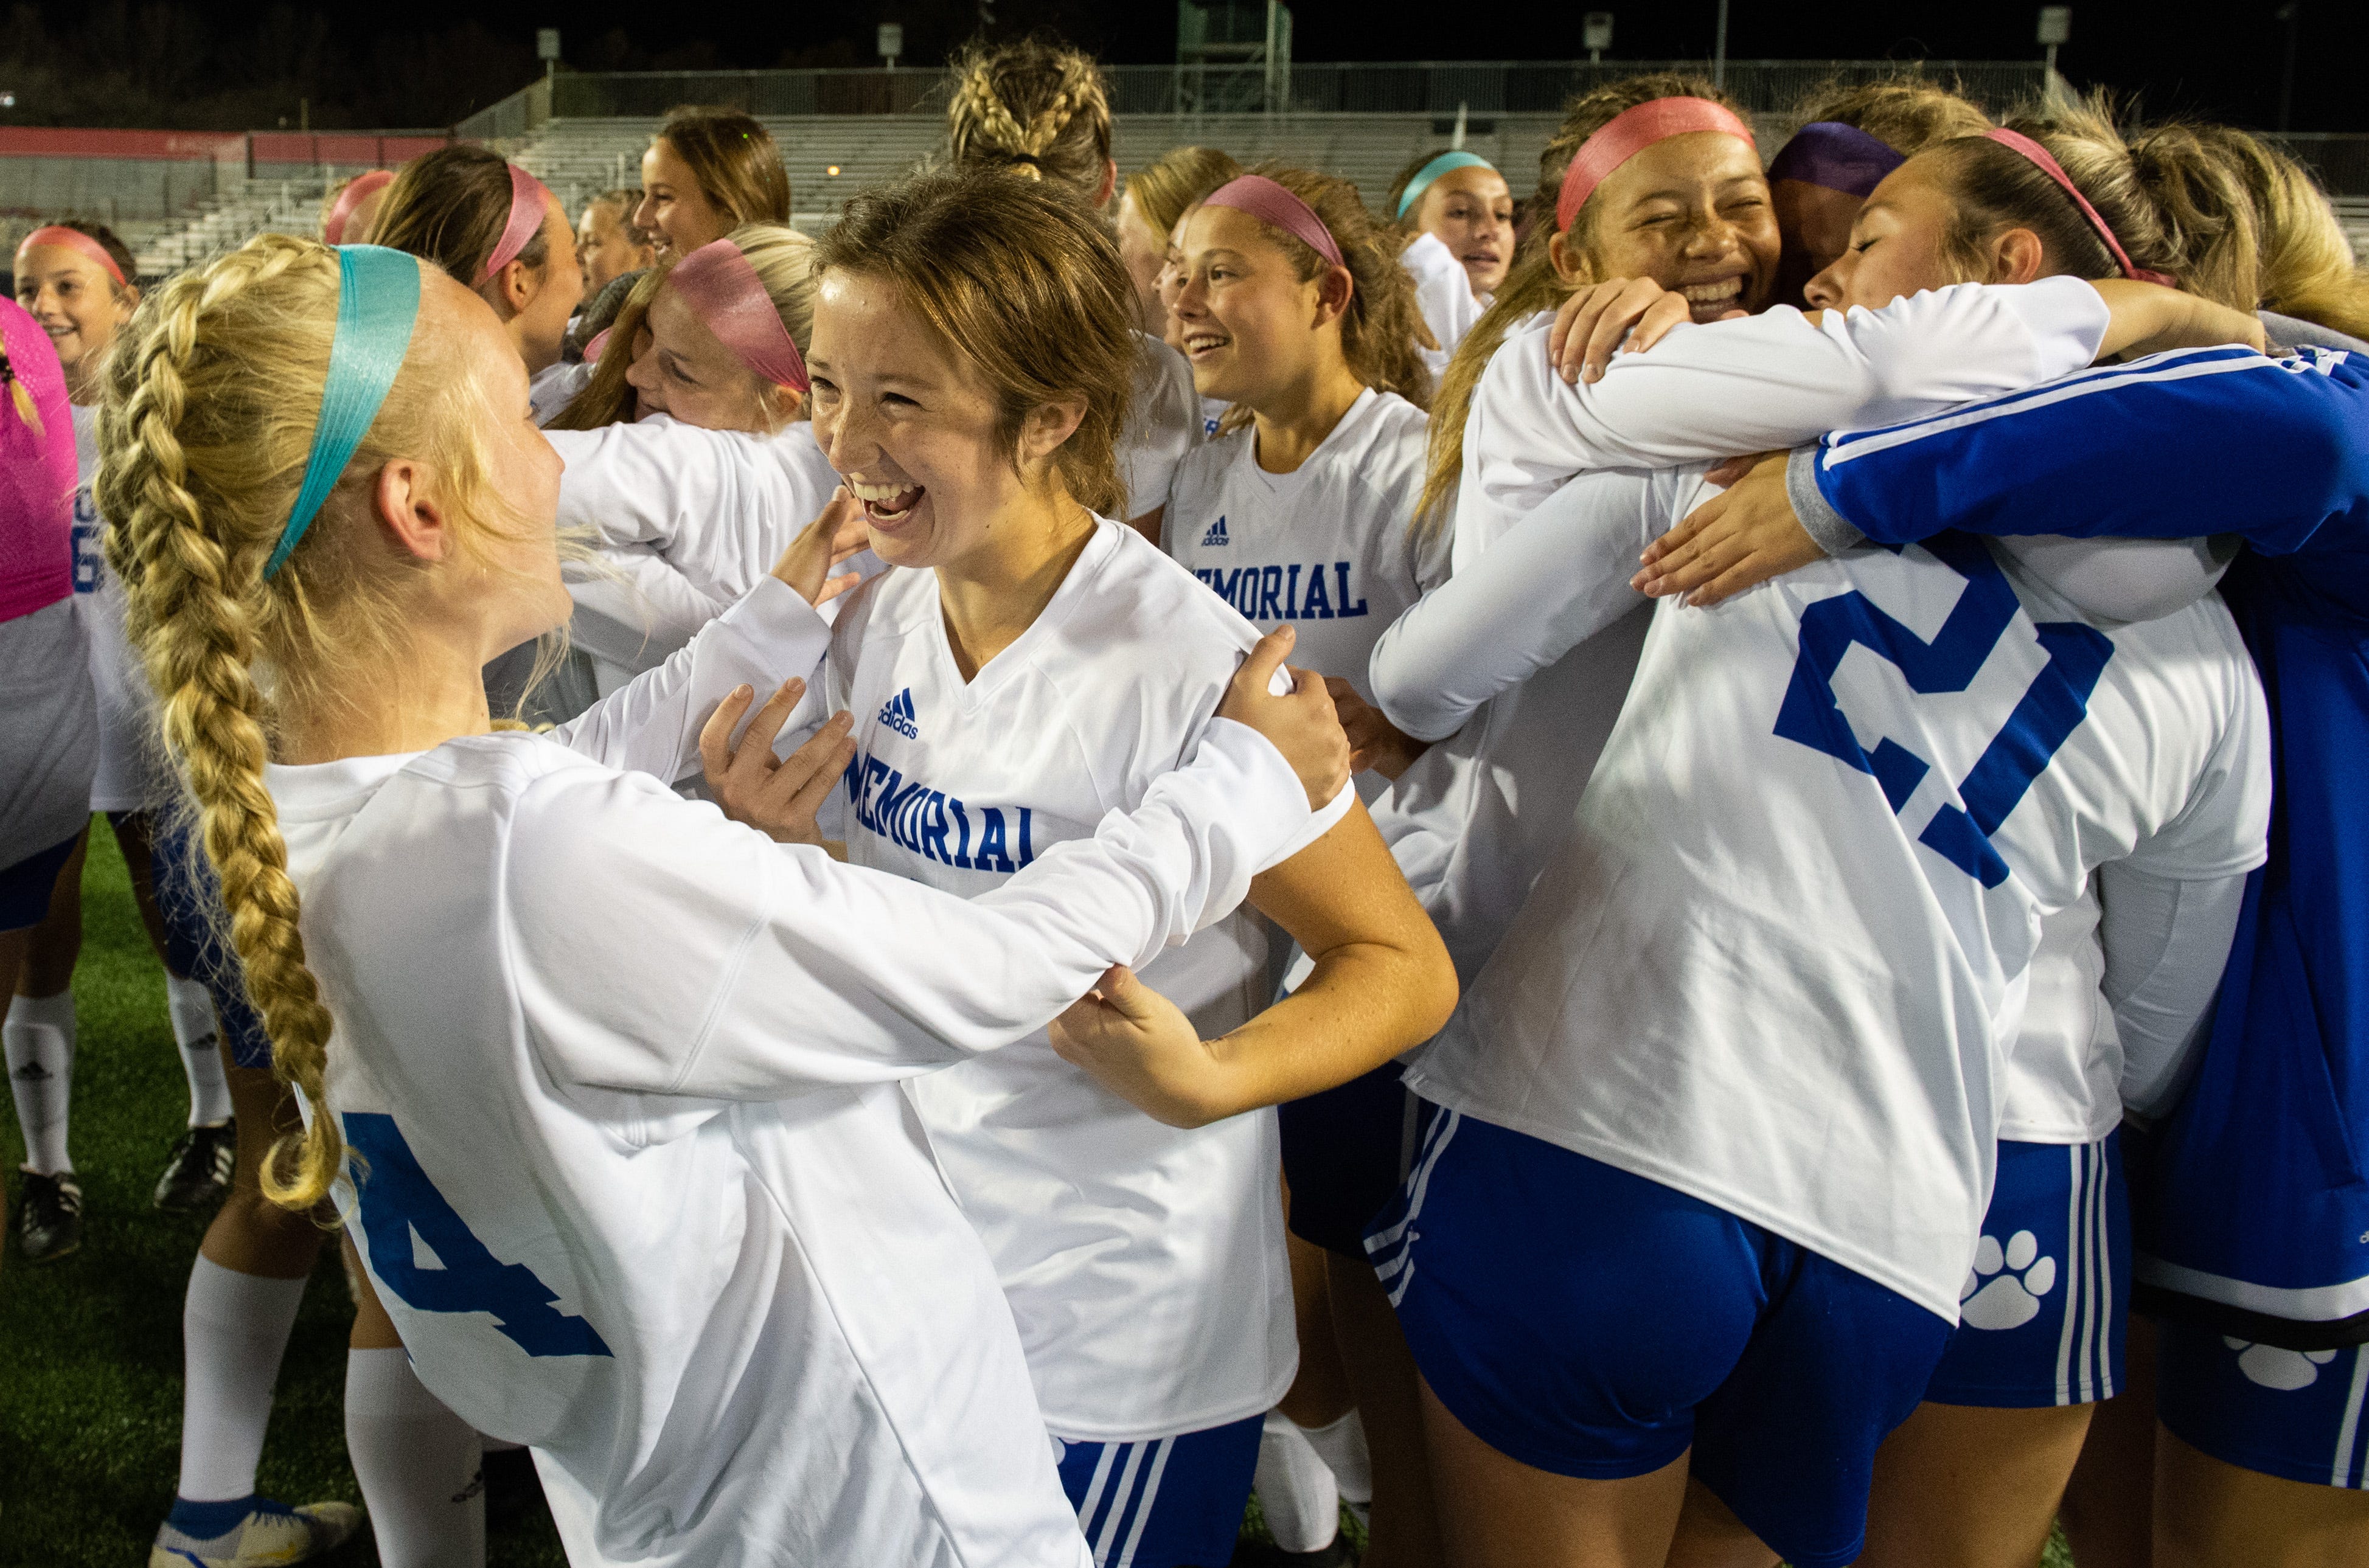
(131, 175)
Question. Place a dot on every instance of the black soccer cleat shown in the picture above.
(197, 1171)
(49, 1216)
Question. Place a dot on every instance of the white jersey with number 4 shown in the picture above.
(640, 1192)
(1144, 1263)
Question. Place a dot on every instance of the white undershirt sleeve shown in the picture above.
(707, 500)
(2166, 945)
(659, 948)
(651, 725)
(1772, 382)
(1558, 577)
(634, 607)
(2121, 581)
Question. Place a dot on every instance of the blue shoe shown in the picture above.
(250, 1532)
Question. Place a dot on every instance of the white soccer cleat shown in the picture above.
(268, 1533)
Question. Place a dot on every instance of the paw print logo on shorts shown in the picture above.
(1992, 1300)
(2268, 1367)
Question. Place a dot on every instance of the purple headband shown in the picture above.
(528, 195)
(1270, 203)
(2039, 157)
(1828, 153)
(717, 282)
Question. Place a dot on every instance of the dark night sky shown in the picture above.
(2220, 59)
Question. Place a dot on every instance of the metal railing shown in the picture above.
(1480, 87)
(2339, 158)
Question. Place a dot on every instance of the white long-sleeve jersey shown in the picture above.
(1473, 831)
(1144, 1263)
(1778, 958)
(640, 1190)
(683, 521)
(1443, 293)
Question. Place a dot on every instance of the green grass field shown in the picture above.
(90, 1346)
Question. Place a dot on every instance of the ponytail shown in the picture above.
(1033, 109)
(213, 396)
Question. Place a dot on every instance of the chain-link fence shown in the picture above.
(1482, 88)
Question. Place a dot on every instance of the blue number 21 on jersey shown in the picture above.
(397, 1199)
(2051, 709)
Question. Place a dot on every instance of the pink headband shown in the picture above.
(528, 195)
(64, 238)
(717, 281)
(2048, 165)
(600, 342)
(1630, 133)
(358, 190)
(1270, 203)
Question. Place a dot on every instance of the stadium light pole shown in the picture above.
(1719, 50)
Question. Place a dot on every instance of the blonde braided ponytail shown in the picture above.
(1035, 109)
(192, 594)
(211, 397)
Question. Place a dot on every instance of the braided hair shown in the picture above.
(1034, 109)
(211, 401)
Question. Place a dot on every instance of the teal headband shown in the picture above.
(1444, 164)
(378, 302)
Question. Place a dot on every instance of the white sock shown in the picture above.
(39, 1038)
(234, 1328)
(192, 1007)
(1341, 1445)
(1295, 1489)
(418, 1465)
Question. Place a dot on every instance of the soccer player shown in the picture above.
(51, 733)
(1459, 213)
(638, 1193)
(79, 281)
(1032, 666)
(1038, 110)
(1295, 311)
(713, 364)
(494, 226)
(706, 172)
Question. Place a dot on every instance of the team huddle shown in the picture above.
(1654, 873)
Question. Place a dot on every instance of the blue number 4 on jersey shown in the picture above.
(2052, 707)
(399, 1201)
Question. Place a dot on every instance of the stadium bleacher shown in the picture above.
(831, 156)
(596, 144)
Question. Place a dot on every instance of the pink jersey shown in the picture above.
(36, 474)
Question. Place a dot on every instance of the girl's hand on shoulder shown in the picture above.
(1595, 322)
(780, 799)
(1140, 1046)
(1743, 536)
(1299, 723)
(838, 535)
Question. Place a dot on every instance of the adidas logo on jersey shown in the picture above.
(896, 713)
(1216, 535)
